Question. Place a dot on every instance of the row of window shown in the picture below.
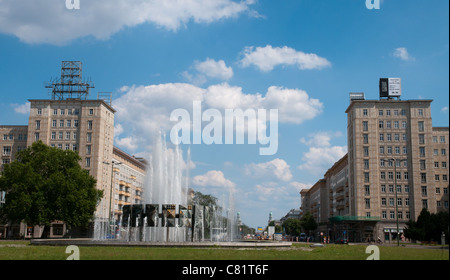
(390, 189)
(401, 201)
(64, 123)
(62, 112)
(74, 147)
(69, 136)
(393, 112)
(10, 137)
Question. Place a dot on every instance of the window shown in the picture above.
(405, 150)
(69, 123)
(398, 175)
(436, 177)
(75, 136)
(91, 112)
(89, 137)
(381, 137)
(420, 112)
(75, 123)
(435, 139)
(367, 190)
(88, 162)
(390, 175)
(404, 125)
(380, 112)
(53, 135)
(399, 188)
(53, 123)
(443, 152)
(425, 203)
(397, 137)
(39, 111)
(383, 175)
(381, 149)
(74, 147)
(400, 215)
(423, 177)
(60, 146)
(397, 150)
(435, 152)
(67, 147)
(61, 123)
(60, 135)
(55, 112)
(408, 215)
(406, 175)
(382, 162)
(396, 125)
(391, 188)
(365, 112)
(403, 112)
(7, 151)
(422, 151)
(366, 138)
(366, 164)
(88, 149)
(389, 151)
(367, 200)
(366, 151)
(89, 125)
(384, 214)
(407, 201)
(421, 126)
(406, 188)
(383, 188)
(421, 138)
(388, 124)
(389, 137)
(366, 177)
(399, 201)
(444, 164)
(442, 139)
(38, 125)
(404, 137)
(383, 201)
(444, 177)
(36, 136)
(424, 190)
(388, 112)
(392, 214)
(63, 111)
(422, 164)
(380, 124)
(391, 201)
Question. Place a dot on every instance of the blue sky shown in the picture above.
(303, 57)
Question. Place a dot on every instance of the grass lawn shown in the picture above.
(22, 250)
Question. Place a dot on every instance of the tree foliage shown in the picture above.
(292, 227)
(428, 227)
(308, 223)
(46, 184)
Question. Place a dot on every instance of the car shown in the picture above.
(302, 237)
(341, 240)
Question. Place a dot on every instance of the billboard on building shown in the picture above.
(390, 87)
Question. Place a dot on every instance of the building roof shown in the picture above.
(387, 101)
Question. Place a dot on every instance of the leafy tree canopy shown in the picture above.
(46, 184)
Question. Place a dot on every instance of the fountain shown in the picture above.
(167, 214)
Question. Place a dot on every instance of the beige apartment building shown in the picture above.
(71, 122)
(396, 165)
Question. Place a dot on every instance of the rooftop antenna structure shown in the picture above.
(71, 84)
(105, 96)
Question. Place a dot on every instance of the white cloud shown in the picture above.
(145, 110)
(22, 109)
(213, 178)
(275, 169)
(266, 58)
(209, 68)
(444, 109)
(321, 154)
(403, 54)
(49, 21)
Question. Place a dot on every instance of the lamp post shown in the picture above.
(110, 215)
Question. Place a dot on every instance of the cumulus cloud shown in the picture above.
(276, 169)
(403, 54)
(146, 110)
(321, 154)
(267, 58)
(213, 178)
(209, 68)
(22, 108)
(49, 21)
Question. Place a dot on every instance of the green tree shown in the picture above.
(428, 227)
(292, 227)
(308, 223)
(47, 184)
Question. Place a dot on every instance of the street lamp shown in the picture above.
(396, 200)
(111, 190)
